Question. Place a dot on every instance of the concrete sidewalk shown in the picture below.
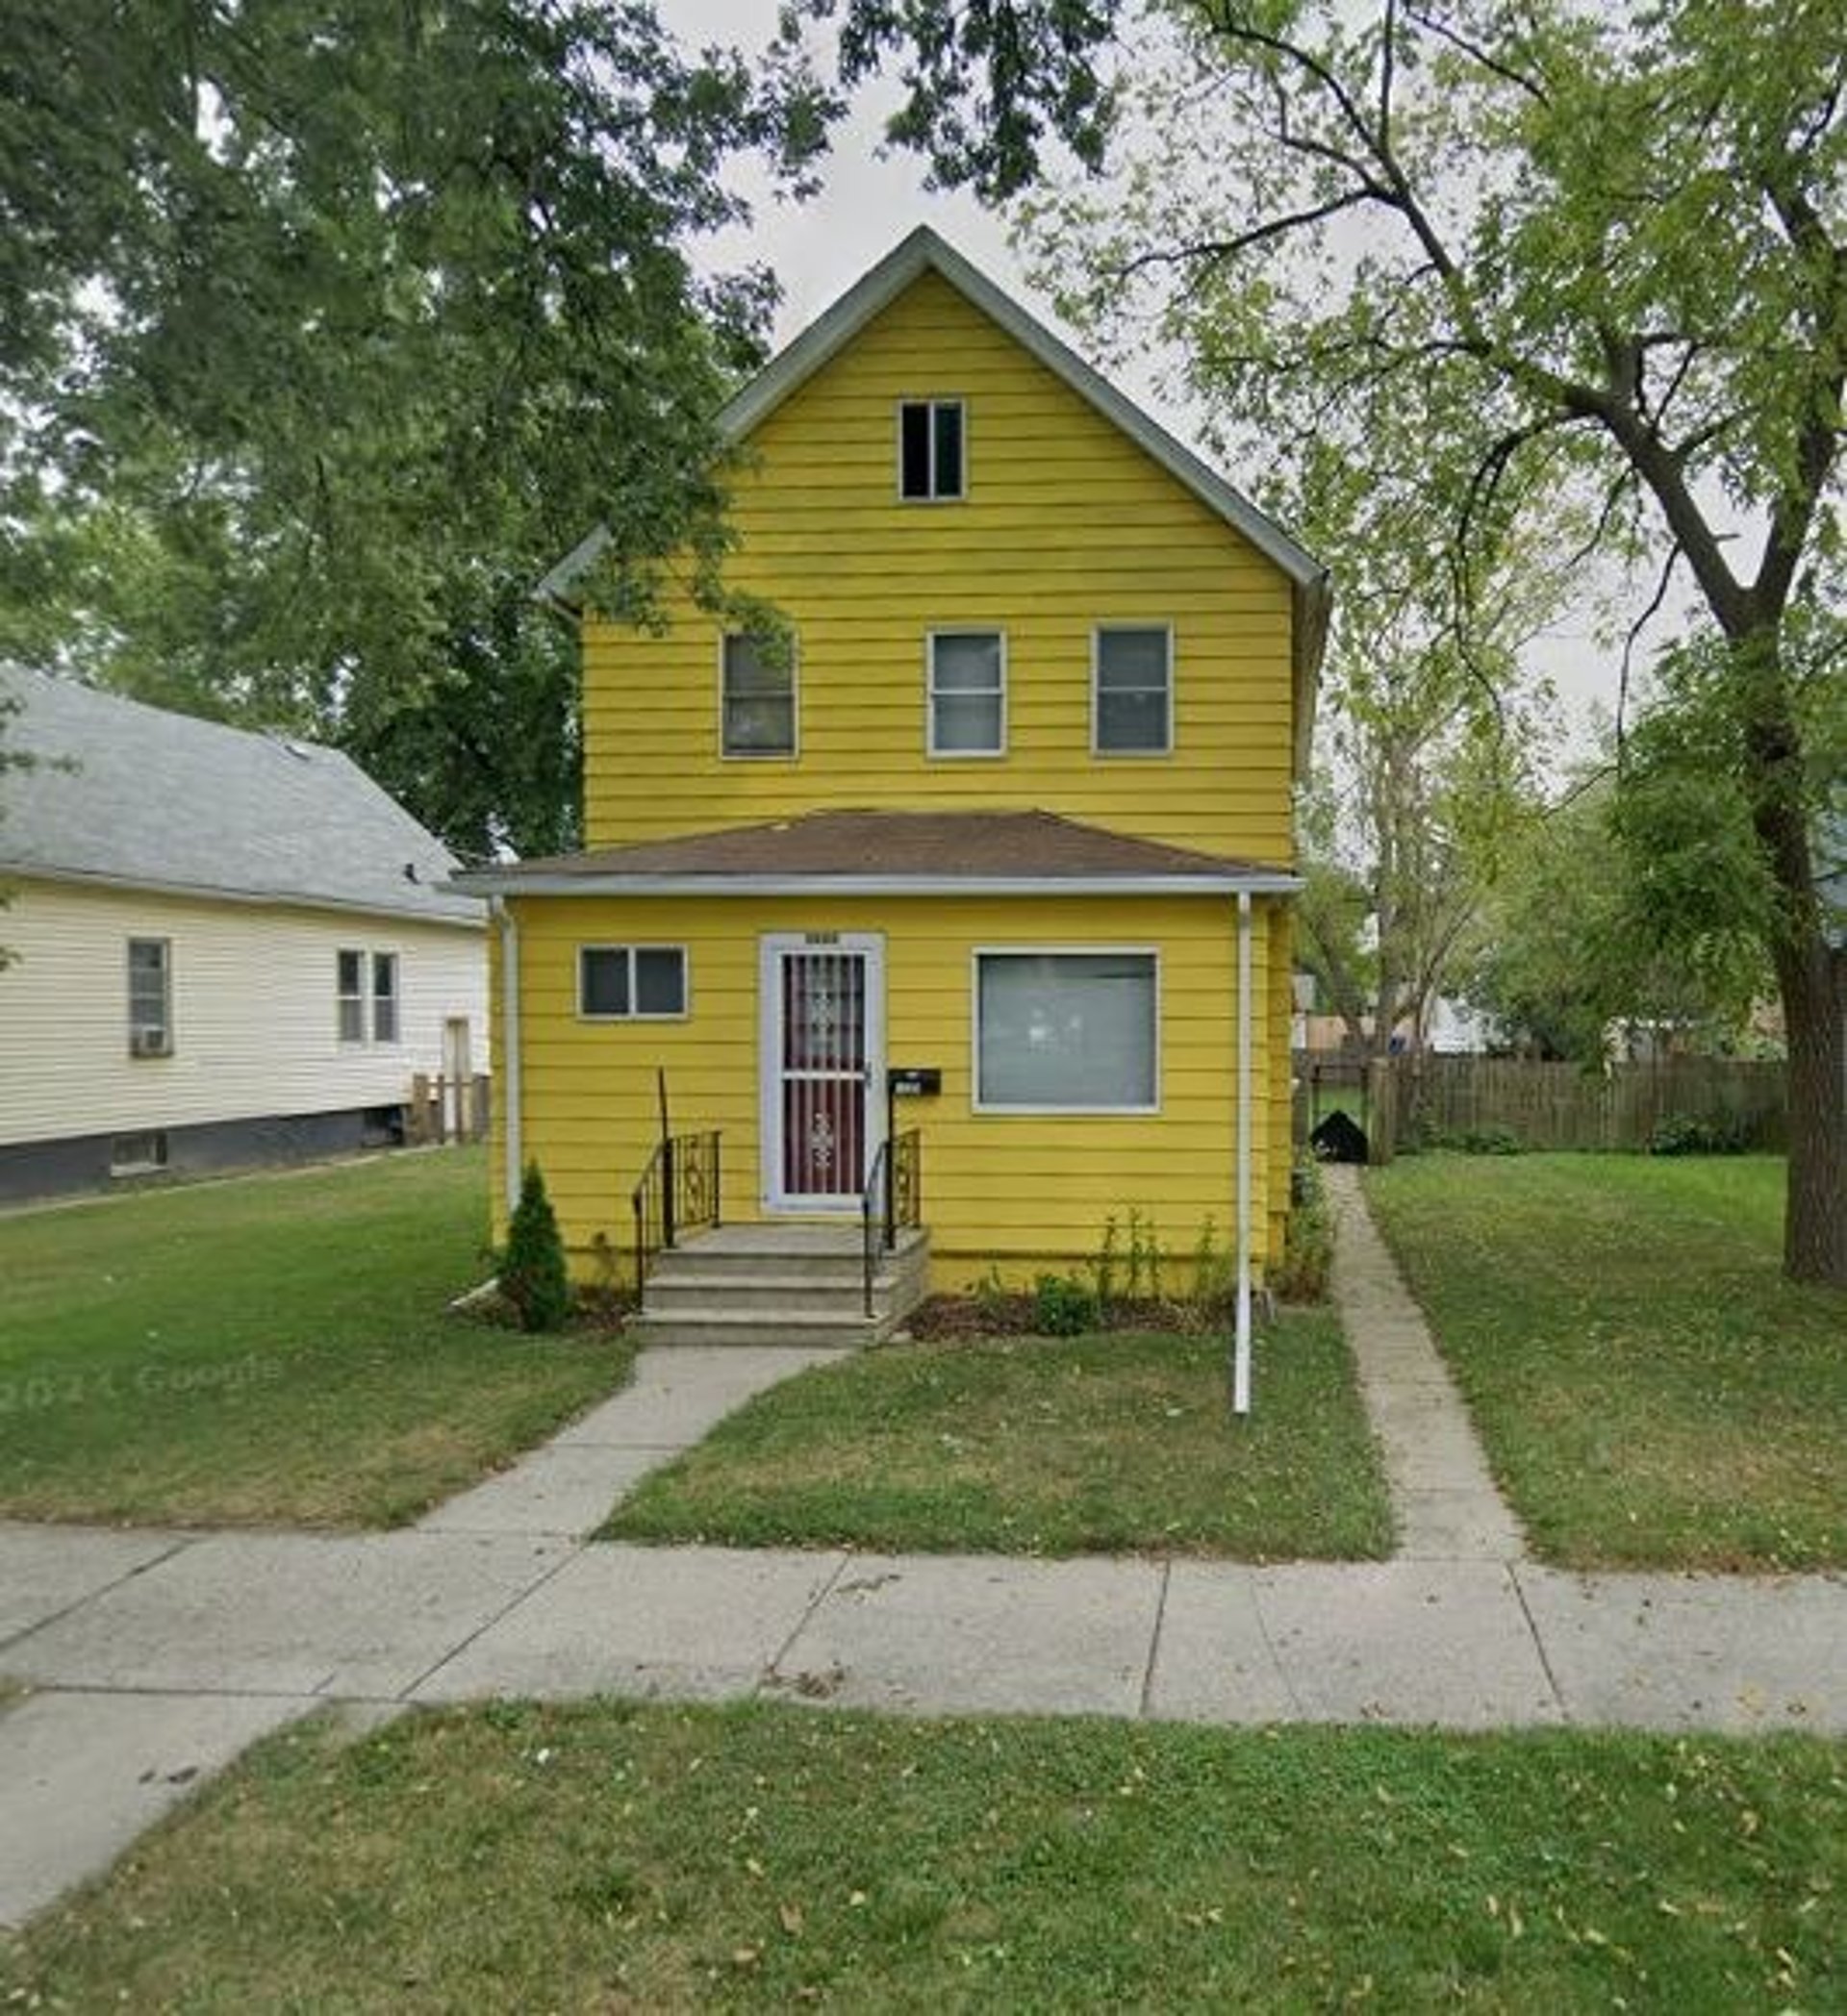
(159, 1659)
(157, 1656)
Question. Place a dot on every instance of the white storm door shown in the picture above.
(822, 1005)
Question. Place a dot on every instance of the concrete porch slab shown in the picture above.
(81, 1775)
(688, 1624)
(288, 1613)
(978, 1634)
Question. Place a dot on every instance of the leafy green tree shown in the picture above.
(324, 329)
(1577, 944)
(1588, 253)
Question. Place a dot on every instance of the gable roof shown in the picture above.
(923, 252)
(890, 853)
(135, 796)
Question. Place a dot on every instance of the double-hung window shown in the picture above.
(366, 995)
(968, 699)
(384, 997)
(757, 703)
(150, 998)
(349, 995)
(1132, 690)
(630, 983)
(931, 451)
(1067, 1031)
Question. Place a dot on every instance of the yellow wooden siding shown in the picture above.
(1018, 1191)
(1067, 524)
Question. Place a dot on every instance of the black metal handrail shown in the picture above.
(678, 1193)
(893, 1200)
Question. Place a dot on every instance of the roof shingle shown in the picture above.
(128, 793)
(923, 846)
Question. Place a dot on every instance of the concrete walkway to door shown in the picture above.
(154, 1658)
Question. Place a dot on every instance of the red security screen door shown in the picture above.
(821, 1001)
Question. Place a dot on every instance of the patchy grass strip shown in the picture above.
(1117, 1443)
(1651, 1390)
(268, 1350)
(612, 1856)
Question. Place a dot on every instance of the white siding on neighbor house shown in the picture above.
(254, 1010)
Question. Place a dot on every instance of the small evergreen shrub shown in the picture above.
(532, 1270)
(1064, 1306)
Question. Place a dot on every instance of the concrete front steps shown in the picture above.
(790, 1284)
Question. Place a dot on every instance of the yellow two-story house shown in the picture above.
(969, 909)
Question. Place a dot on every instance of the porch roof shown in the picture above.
(898, 853)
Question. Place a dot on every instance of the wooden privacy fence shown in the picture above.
(445, 1108)
(1564, 1106)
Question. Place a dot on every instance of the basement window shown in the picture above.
(138, 1154)
(930, 450)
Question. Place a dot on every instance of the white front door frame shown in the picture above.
(774, 949)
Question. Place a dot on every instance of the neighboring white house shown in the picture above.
(222, 948)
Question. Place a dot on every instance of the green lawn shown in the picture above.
(1107, 1444)
(604, 1856)
(271, 1349)
(1650, 1391)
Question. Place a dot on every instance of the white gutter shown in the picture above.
(484, 882)
(510, 1127)
(1241, 1350)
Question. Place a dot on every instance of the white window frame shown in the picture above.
(165, 1047)
(374, 961)
(930, 636)
(629, 948)
(1096, 635)
(932, 400)
(977, 953)
(358, 997)
(794, 751)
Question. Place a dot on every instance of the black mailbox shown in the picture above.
(913, 1081)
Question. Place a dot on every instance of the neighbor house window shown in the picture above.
(967, 692)
(758, 702)
(384, 997)
(349, 993)
(625, 983)
(150, 998)
(138, 1154)
(930, 450)
(1132, 696)
(1071, 1032)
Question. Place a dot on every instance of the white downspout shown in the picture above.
(510, 1047)
(1241, 1353)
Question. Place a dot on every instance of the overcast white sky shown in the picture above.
(871, 200)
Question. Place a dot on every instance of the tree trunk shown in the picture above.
(1814, 1225)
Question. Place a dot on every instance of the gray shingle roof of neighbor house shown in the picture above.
(135, 796)
(893, 851)
(924, 251)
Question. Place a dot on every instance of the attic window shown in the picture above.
(930, 450)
